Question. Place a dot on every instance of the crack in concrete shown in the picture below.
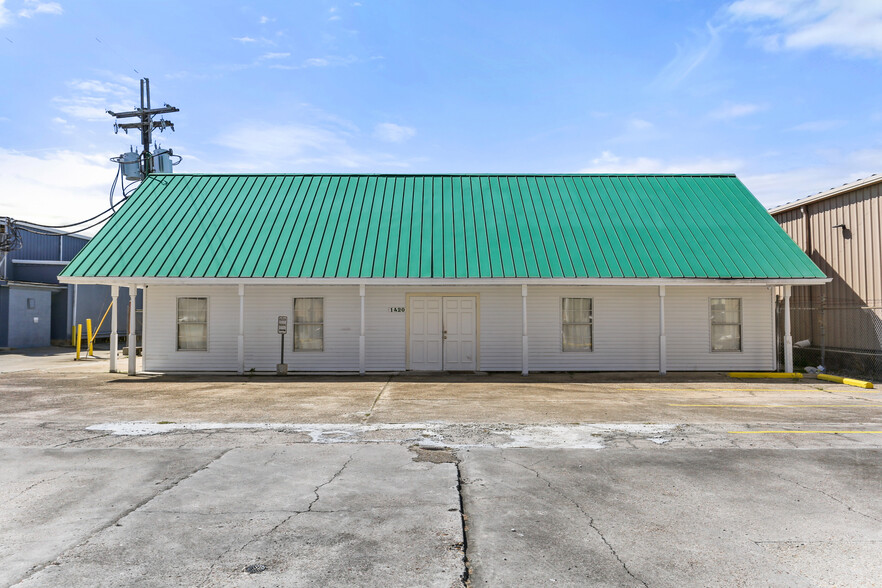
(831, 497)
(73, 441)
(463, 520)
(374, 403)
(584, 513)
(32, 486)
(40, 567)
(290, 516)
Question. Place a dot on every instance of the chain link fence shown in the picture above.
(845, 339)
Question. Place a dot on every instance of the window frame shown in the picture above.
(295, 324)
(562, 324)
(711, 324)
(178, 324)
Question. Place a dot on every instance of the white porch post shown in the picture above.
(361, 289)
(74, 312)
(114, 336)
(132, 337)
(241, 338)
(788, 338)
(144, 328)
(525, 348)
(662, 340)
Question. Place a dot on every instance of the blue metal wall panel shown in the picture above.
(34, 246)
(72, 246)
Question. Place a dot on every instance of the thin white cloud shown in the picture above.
(263, 146)
(818, 126)
(330, 61)
(76, 189)
(90, 99)
(34, 7)
(5, 17)
(334, 17)
(274, 56)
(608, 162)
(730, 111)
(703, 47)
(245, 39)
(392, 133)
(638, 124)
(851, 26)
(266, 19)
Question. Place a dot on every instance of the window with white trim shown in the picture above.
(577, 324)
(192, 324)
(309, 324)
(725, 318)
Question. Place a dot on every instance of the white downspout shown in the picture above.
(788, 338)
(133, 343)
(662, 339)
(361, 363)
(114, 327)
(241, 338)
(525, 348)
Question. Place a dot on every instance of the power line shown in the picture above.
(54, 234)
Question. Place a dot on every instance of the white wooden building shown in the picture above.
(448, 273)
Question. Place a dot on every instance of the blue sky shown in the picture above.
(785, 93)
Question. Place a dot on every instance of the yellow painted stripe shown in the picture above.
(846, 381)
(874, 405)
(714, 390)
(789, 375)
(807, 432)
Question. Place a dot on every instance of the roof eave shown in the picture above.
(263, 281)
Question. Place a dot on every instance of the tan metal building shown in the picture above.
(841, 230)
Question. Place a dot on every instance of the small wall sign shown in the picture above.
(396, 309)
(283, 325)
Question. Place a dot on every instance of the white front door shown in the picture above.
(443, 333)
(425, 333)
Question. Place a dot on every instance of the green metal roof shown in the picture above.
(442, 226)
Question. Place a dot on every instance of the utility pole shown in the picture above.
(145, 124)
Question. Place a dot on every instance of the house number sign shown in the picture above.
(396, 309)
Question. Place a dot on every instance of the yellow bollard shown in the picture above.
(89, 336)
(79, 339)
(73, 335)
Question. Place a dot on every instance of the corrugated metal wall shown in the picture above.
(852, 256)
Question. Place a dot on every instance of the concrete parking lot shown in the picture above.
(496, 480)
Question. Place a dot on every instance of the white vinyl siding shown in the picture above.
(161, 329)
(688, 329)
(263, 306)
(625, 328)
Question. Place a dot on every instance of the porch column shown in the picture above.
(132, 337)
(144, 328)
(788, 339)
(114, 336)
(361, 289)
(241, 338)
(662, 340)
(525, 348)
